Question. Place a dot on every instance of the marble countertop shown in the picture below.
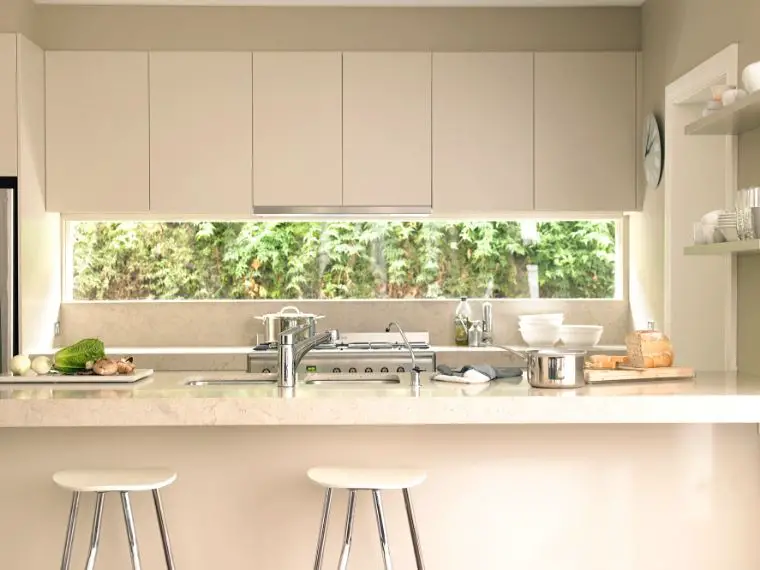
(165, 400)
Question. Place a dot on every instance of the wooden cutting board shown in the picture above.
(638, 375)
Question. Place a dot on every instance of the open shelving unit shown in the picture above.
(741, 117)
(731, 247)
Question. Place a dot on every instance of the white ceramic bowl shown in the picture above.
(548, 319)
(751, 77)
(543, 336)
(581, 336)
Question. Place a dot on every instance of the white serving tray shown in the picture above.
(136, 376)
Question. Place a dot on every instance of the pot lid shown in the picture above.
(290, 312)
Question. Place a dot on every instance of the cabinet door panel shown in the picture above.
(8, 111)
(297, 134)
(387, 129)
(200, 133)
(482, 132)
(585, 131)
(97, 132)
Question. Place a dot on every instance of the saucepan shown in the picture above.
(550, 368)
(287, 318)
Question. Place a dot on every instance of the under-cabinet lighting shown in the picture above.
(341, 211)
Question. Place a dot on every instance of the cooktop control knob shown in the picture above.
(384, 369)
(336, 370)
(266, 371)
(400, 369)
(368, 370)
(352, 370)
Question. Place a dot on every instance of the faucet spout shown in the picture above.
(415, 369)
(291, 351)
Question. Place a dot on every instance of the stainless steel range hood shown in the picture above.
(341, 211)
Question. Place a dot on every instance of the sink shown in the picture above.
(346, 380)
(232, 380)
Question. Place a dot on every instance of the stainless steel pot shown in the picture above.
(553, 368)
(287, 318)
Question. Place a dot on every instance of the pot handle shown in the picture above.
(290, 309)
(517, 353)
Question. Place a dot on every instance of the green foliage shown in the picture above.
(334, 260)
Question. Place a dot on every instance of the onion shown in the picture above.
(20, 364)
(42, 365)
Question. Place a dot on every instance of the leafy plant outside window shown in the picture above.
(340, 260)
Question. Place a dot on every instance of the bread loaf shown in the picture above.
(605, 362)
(649, 349)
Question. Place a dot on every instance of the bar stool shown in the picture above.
(122, 481)
(374, 480)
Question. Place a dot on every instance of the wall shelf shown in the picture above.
(742, 116)
(726, 248)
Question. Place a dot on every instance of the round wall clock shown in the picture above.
(653, 162)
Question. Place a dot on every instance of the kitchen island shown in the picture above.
(166, 400)
(625, 477)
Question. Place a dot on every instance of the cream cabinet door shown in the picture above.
(200, 133)
(8, 111)
(586, 131)
(387, 129)
(297, 136)
(97, 131)
(482, 132)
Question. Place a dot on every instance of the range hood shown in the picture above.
(341, 211)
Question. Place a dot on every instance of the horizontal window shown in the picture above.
(341, 260)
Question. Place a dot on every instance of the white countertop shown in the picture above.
(164, 400)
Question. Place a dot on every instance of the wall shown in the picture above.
(230, 28)
(677, 36)
(497, 497)
(232, 323)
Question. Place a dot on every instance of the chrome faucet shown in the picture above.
(415, 369)
(290, 352)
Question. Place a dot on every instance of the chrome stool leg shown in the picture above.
(323, 530)
(66, 562)
(349, 530)
(96, 525)
(382, 530)
(131, 536)
(413, 530)
(164, 531)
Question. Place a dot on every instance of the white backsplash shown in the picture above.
(231, 323)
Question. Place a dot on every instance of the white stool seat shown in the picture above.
(358, 478)
(107, 480)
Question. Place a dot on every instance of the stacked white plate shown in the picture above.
(541, 330)
(727, 226)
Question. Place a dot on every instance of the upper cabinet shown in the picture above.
(8, 111)
(297, 134)
(482, 132)
(200, 133)
(585, 131)
(387, 104)
(97, 132)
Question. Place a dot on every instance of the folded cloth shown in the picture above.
(469, 377)
(512, 374)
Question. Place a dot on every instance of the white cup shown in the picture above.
(731, 96)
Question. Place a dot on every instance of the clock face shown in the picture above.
(652, 152)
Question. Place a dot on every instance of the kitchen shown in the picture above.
(103, 129)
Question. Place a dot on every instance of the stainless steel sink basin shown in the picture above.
(349, 380)
(232, 380)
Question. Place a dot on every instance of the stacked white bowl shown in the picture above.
(727, 226)
(541, 330)
(581, 336)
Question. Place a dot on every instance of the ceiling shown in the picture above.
(407, 3)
